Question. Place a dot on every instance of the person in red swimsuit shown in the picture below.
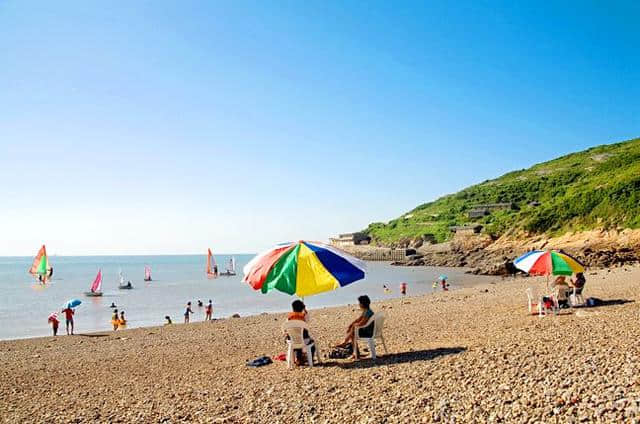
(68, 314)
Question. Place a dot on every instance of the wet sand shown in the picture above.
(472, 354)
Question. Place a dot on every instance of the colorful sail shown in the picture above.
(40, 266)
(147, 273)
(212, 271)
(97, 283)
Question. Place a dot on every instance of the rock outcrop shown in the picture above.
(596, 249)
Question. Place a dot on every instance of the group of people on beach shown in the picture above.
(55, 322)
(563, 289)
(403, 289)
(118, 321)
(365, 329)
(208, 312)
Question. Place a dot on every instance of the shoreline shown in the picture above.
(473, 281)
(463, 355)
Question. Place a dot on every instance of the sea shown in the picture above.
(176, 279)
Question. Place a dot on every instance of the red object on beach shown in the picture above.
(281, 357)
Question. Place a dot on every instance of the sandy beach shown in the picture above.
(468, 355)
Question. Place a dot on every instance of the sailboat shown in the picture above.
(212, 268)
(96, 286)
(147, 273)
(231, 267)
(40, 267)
(122, 285)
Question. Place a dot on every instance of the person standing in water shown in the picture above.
(208, 311)
(68, 314)
(53, 319)
(115, 320)
(187, 312)
(122, 322)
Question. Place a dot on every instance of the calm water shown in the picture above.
(25, 306)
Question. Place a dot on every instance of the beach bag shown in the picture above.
(341, 352)
(259, 362)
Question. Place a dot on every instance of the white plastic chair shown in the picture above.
(542, 310)
(295, 330)
(576, 299)
(378, 323)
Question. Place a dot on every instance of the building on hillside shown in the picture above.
(350, 239)
(478, 211)
(468, 229)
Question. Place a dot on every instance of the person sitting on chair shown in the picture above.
(561, 288)
(300, 314)
(578, 282)
(365, 332)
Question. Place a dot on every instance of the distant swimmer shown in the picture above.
(113, 305)
(200, 304)
(168, 318)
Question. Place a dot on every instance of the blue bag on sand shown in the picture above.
(259, 362)
(592, 301)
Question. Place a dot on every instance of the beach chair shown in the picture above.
(534, 307)
(295, 329)
(576, 299)
(539, 307)
(378, 323)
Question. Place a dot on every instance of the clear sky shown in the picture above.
(172, 126)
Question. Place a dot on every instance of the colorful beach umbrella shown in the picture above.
(548, 262)
(303, 268)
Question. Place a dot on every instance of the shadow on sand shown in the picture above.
(394, 358)
(613, 302)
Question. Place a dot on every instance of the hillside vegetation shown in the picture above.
(595, 188)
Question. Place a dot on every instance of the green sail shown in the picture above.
(42, 266)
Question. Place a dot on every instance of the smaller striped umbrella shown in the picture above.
(548, 262)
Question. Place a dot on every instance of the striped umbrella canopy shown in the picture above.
(548, 262)
(303, 268)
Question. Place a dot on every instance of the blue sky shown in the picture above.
(168, 127)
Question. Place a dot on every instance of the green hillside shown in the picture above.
(595, 188)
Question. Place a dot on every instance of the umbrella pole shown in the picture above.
(548, 288)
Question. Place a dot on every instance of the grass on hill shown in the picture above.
(595, 188)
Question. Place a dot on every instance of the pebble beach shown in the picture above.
(469, 355)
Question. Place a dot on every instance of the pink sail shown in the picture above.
(147, 273)
(97, 283)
